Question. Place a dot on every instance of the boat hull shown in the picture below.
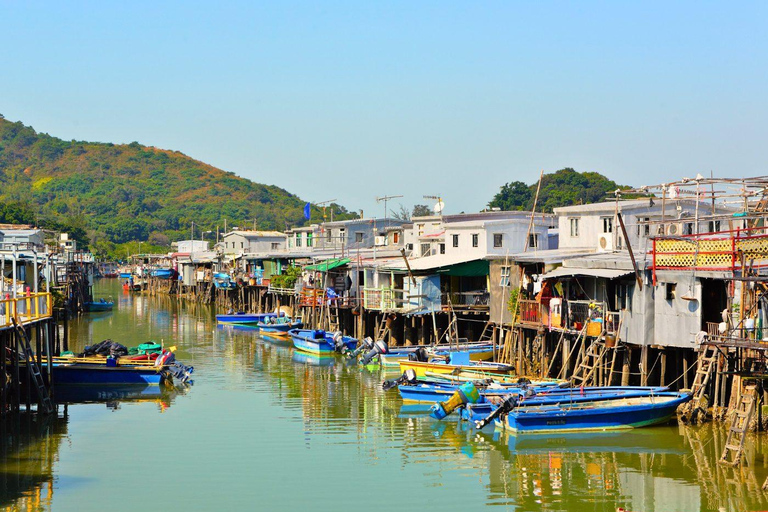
(421, 368)
(303, 340)
(244, 318)
(92, 374)
(624, 414)
(279, 328)
(99, 306)
(482, 352)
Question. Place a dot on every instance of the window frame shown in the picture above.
(574, 224)
(498, 240)
(475, 239)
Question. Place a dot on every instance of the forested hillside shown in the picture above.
(111, 194)
(565, 187)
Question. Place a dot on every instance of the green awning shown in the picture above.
(327, 265)
(468, 269)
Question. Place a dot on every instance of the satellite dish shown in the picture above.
(438, 208)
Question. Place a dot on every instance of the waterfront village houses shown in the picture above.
(592, 266)
(341, 237)
(191, 246)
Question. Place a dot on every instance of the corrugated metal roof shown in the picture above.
(592, 272)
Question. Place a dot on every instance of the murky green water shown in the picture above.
(265, 429)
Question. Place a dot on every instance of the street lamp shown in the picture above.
(202, 235)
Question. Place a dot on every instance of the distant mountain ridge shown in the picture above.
(122, 192)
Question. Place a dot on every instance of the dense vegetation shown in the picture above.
(565, 187)
(110, 194)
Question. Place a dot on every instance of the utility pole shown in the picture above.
(385, 199)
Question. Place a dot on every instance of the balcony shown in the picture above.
(26, 309)
(477, 300)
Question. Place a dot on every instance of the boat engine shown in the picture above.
(419, 355)
(408, 377)
(380, 347)
(337, 342)
(504, 407)
(365, 344)
(466, 393)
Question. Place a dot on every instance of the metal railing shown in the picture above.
(383, 299)
(467, 300)
(27, 308)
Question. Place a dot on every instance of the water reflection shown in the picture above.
(28, 451)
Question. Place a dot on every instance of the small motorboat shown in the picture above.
(477, 352)
(440, 366)
(244, 318)
(279, 326)
(317, 341)
(100, 305)
(162, 273)
(595, 415)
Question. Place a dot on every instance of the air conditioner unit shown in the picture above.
(380, 240)
(605, 242)
(675, 229)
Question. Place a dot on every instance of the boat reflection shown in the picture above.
(113, 396)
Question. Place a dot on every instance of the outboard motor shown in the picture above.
(337, 341)
(420, 355)
(408, 377)
(504, 407)
(380, 347)
(466, 393)
(365, 344)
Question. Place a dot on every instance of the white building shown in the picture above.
(250, 242)
(190, 246)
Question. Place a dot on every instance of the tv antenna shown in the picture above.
(324, 204)
(439, 205)
(385, 199)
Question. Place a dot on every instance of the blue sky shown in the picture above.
(348, 101)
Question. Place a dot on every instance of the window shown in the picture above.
(647, 226)
(275, 246)
(671, 287)
(533, 241)
(242, 245)
(498, 239)
(420, 228)
(298, 239)
(359, 237)
(455, 240)
(329, 237)
(505, 273)
(607, 224)
(714, 226)
(442, 248)
(475, 239)
(688, 228)
(395, 238)
(425, 249)
(309, 239)
(574, 227)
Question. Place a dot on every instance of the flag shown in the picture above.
(307, 211)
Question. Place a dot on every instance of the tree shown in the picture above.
(401, 214)
(513, 196)
(421, 210)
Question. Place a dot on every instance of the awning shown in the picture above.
(327, 265)
(607, 273)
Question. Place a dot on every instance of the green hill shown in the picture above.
(565, 187)
(115, 193)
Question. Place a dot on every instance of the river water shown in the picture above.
(264, 428)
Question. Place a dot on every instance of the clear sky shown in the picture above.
(348, 101)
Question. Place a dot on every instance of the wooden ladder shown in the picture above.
(332, 317)
(489, 331)
(23, 345)
(706, 363)
(589, 362)
(734, 443)
(382, 330)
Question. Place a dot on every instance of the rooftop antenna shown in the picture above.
(385, 199)
(439, 206)
(324, 204)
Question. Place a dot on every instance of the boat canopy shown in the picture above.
(327, 265)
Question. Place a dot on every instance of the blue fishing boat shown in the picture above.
(244, 318)
(163, 273)
(222, 280)
(615, 414)
(279, 325)
(431, 392)
(476, 351)
(321, 342)
(100, 305)
(76, 373)
(490, 401)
